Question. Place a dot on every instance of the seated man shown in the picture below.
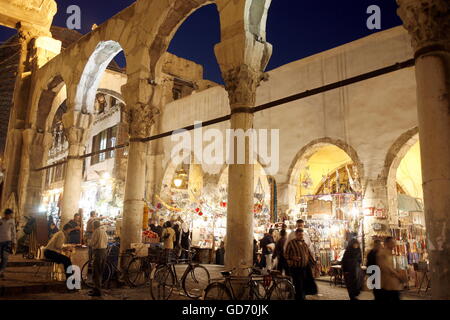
(55, 246)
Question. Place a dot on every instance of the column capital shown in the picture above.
(76, 129)
(427, 21)
(242, 60)
(141, 118)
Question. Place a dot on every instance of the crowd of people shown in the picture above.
(291, 254)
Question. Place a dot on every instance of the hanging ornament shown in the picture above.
(200, 213)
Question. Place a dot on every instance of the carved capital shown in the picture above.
(241, 83)
(427, 21)
(76, 129)
(141, 117)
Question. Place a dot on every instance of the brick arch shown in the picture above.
(301, 159)
(396, 153)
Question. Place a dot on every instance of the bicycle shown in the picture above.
(139, 271)
(164, 278)
(255, 286)
(109, 269)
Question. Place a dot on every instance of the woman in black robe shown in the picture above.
(351, 266)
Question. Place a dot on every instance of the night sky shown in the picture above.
(295, 28)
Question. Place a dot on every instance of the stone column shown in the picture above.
(375, 198)
(37, 49)
(242, 60)
(428, 22)
(141, 118)
(76, 129)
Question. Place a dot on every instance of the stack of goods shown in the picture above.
(149, 237)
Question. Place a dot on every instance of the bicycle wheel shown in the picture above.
(282, 290)
(138, 272)
(217, 291)
(196, 281)
(87, 275)
(162, 283)
(107, 275)
(258, 290)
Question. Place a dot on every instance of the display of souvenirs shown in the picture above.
(320, 207)
(410, 245)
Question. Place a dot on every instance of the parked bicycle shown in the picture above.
(139, 270)
(164, 279)
(254, 286)
(111, 268)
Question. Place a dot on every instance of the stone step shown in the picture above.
(11, 291)
(25, 263)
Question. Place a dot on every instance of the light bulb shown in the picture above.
(178, 182)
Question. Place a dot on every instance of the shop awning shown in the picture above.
(409, 204)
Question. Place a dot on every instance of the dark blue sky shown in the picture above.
(295, 28)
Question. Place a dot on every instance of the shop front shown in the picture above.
(329, 201)
(202, 208)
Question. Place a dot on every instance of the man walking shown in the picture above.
(299, 225)
(8, 239)
(282, 265)
(300, 259)
(372, 261)
(99, 244)
(391, 279)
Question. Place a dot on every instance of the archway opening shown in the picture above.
(195, 42)
(406, 206)
(327, 193)
(199, 201)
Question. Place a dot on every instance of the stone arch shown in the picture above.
(53, 90)
(396, 153)
(86, 90)
(174, 16)
(223, 177)
(301, 159)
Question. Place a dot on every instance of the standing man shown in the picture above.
(158, 229)
(8, 239)
(300, 259)
(90, 230)
(391, 279)
(267, 245)
(75, 226)
(168, 236)
(99, 244)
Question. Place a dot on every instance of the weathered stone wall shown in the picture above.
(368, 117)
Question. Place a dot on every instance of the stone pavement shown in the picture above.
(326, 292)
